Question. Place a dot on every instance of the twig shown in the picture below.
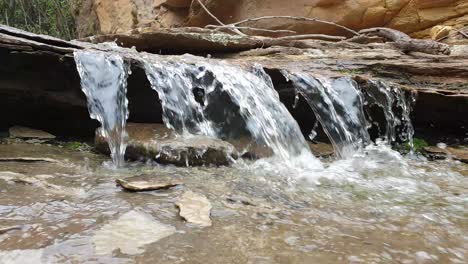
(311, 36)
(296, 18)
(462, 33)
(253, 29)
(233, 29)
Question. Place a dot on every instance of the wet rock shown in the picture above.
(129, 233)
(142, 183)
(155, 141)
(195, 208)
(29, 133)
(320, 149)
(27, 159)
(4, 230)
(459, 153)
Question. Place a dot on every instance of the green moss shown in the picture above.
(418, 145)
(75, 146)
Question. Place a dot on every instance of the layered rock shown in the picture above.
(410, 16)
(40, 87)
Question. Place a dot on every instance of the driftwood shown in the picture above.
(407, 44)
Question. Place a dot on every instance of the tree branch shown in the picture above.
(296, 18)
(232, 28)
(253, 29)
(311, 36)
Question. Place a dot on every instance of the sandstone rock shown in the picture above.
(25, 132)
(176, 3)
(181, 40)
(129, 233)
(142, 183)
(155, 141)
(195, 208)
(409, 16)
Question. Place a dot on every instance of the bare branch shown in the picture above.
(232, 28)
(253, 29)
(312, 36)
(296, 18)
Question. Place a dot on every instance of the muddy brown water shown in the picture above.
(376, 208)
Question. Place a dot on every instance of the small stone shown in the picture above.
(130, 233)
(144, 182)
(195, 208)
(28, 133)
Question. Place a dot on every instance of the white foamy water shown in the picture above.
(104, 82)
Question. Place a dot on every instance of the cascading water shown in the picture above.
(266, 118)
(338, 106)
(389, 99)
(104, 82)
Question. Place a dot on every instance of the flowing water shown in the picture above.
(374, 207)
(252, 93)
(104, 82)
(338, 105)
(392, 100)
(59, 205)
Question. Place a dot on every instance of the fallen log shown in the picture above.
(407, 44)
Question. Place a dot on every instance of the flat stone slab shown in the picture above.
(195, 208)
(145, 182)
(26, 132)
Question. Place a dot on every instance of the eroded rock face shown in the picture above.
(410, 16)
(155, 141)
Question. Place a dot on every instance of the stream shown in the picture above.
(59, 203)
(375, 207)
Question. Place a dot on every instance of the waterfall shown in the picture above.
(338, 105)
(391, 99)
(104, 82)
(187, 91)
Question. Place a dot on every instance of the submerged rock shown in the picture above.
(28, 133)
(155, 141)
(195, 208)
(321, 149)
(4, 230)
(130, 233)
(145, 182)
